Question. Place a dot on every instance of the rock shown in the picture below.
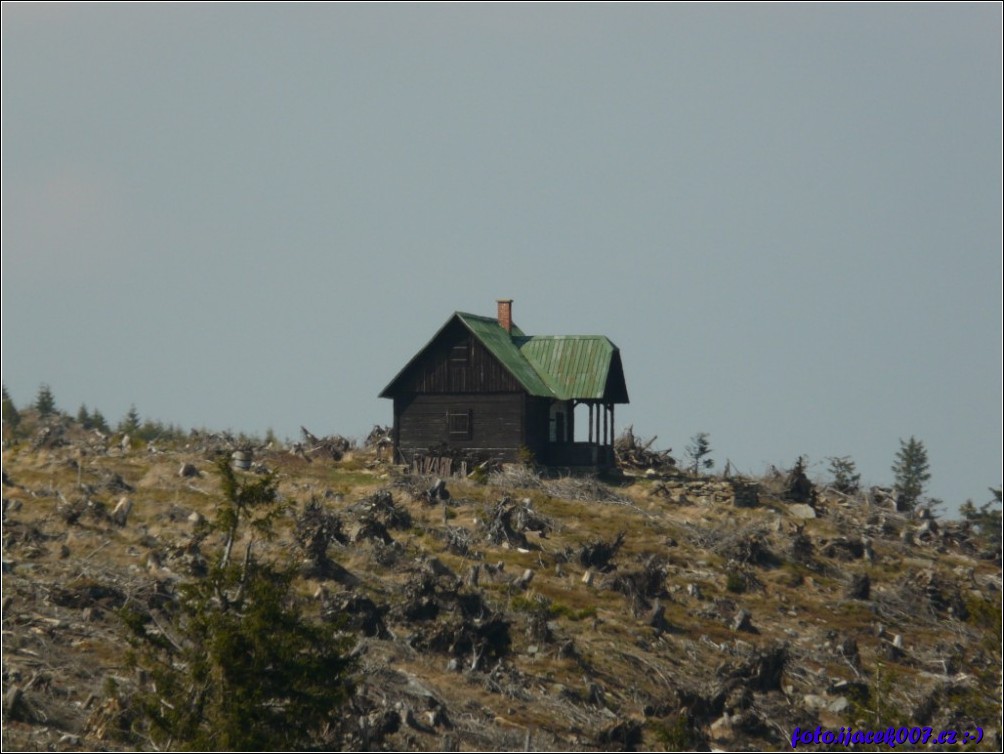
(195, 518)
(814, 701)
(801, 510)
(694, 591)
(524, 581)
(587, 578)
(838, 705)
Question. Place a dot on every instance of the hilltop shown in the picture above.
(507, 610)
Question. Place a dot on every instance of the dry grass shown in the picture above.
(614, 652)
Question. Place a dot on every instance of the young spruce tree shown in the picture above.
(912, 473)
(846, 478)
(11, 416)
(45, 402)
(241, 667)
(699, 448)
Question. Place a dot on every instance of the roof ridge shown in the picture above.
(583, 337)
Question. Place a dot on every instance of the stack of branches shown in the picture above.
(507, 522)
(380, 507)
(215, 443)
(597, 555)
(513, 476)
(50, 435)
(642, 585)
(635, 453)
(476, 641)
(333, 446)
(379, 438)
(316, 529)
(747, 545)
(585, 489)
(458, 540)
(414, 487)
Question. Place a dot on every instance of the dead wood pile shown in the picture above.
(598, 554)
(333, 446)
(633, 452)
(507, 523)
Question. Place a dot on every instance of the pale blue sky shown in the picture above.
(788, 218)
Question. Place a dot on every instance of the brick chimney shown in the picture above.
(505, 314)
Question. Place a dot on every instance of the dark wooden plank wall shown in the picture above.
(496, 423)
(438, 372)
(537, 436)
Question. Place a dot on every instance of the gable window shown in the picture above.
(458, 424)
(459, 354)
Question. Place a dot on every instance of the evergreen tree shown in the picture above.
(986, 518)
(83, 418)
(912, 473)
(98, 421)
(11, 416)
(700, 446)
(846, 478)
(243, 668)
(45, 403)
(130, 424)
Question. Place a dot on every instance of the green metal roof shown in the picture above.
(502, 347)
(565, 367)
(572, 366)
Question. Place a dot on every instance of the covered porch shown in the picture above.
(597, 447)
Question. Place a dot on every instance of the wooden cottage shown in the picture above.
(484, 389)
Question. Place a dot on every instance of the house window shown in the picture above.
(458, 424)
(459, 354)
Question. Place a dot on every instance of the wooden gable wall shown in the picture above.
(458, 363)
